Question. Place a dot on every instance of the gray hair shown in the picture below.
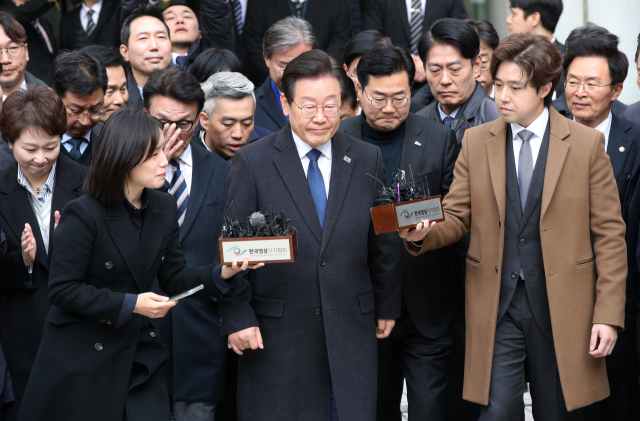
(226, 85)
(287, 33)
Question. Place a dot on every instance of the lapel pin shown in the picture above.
(621, 149)
(347, 159)
(418, 143)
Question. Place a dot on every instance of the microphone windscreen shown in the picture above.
(257, 220)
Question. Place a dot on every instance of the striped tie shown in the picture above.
(179, 190)
(416, 25)
(237, 15)
(90, 23)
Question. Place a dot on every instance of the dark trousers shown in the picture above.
(520, 343)
(422, 362)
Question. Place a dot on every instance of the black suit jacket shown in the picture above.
(97, 260)
(24, 302)
(317, 314)
(429, 151)
(268, 112)
(196, 369)
(390, 17)
(40, 57)
(85, 158)
(329, 18)
(106, 32)
(623, 146)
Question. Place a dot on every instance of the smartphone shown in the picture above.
(186, 293)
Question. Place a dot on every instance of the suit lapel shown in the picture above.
(401, 7)
(290, 169)
(312, 9)
(513, 190)
(618, 146)
(340, 176)
(68, 184)
(271, 105)
(496, 156)
(413, 146)
(202, 172)
(151, 237)
(537, 179)
(105, 12)
(558, 149)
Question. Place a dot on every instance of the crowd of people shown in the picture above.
(123, 150)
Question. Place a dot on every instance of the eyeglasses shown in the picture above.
(592, 88)
(397, 102)
(183, 125)
(486, 65)
(76, 115)
(310, 111)
(14, 51)
(352, 76)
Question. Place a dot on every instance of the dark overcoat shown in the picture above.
(317, 314)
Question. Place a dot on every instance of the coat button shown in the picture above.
(98, 347)
(152, 334)
(317, 312)
(496, 269)
(108, 322)
(621, 149)
(523, 242)
(514, 275)
(322, 263)
(108, 264)
(103, 321)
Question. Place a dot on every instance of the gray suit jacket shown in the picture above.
(633, 112)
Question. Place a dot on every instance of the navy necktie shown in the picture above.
(180, 60)
(447, 121)
(316, 185)
(179, 190)
(75, 147)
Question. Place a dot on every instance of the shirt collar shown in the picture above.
(66, 137)
(304, 148)
(48, 185)
(443, 115)
(202, 134)
(186, 157)
(96, 8)
(23, 87)
(605, 126)
(144, 203)
(538, 127)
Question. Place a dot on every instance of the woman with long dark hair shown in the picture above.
(101, 357)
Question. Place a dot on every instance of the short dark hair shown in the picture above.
(37, 109)
(128, 138)
(452, 32)
(312, 64)
(145, 9)
(486, 32)
(637, 50)
(352, 95)
(385, 60)
(538, 59)
(77, 72)
(108, 56)
(361, 42)
(174, 83)
(12, 28)
(593, 47)
(550, 11)
(593, 31)
(214, 60)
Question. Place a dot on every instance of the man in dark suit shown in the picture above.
(633, 112)
(316, 315)
(228, 114)
(81, 81)
(94, 22)
(196, 372)
(145, 57)
(595, 70)
(42, 43)
(329, 19)
(427, 150)
(283, 41)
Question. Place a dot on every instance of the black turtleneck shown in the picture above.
(390, 144)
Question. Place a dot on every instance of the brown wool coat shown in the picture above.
(579, 200)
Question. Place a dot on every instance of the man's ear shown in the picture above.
(204, 120)
(124, 51)
(534, 19)
(477, 65)
(617, 89)
(346, 69)
(285, 105)
(545, 90)
(267, 61)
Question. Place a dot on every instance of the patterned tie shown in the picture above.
(90, 23)
(447, 121)
(237, 15)
(316, 185)
(416, 25)
(75, 147)
(525, 166)
(180, 60)
(179, 190)
(298, 6)
(36, 24)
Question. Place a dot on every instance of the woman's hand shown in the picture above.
(28, 246)
(56, 216)
(228, 271)
(153, 305)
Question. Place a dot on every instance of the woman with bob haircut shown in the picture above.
(101, 357)
(38, 184)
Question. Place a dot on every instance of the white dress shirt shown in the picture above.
(23, 87)
(422, 2)
(604, 128)
(83, 146)
(84, 17)
(41, 204)
(443, 115)
(538, 128)
(324, 162)
(186, 168)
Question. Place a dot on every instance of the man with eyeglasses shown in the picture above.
(426, 151)
(306, 331)
(81, 82)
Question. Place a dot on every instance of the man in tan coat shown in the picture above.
(534, 188)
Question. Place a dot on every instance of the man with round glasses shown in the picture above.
(426, 151)
(81, 82)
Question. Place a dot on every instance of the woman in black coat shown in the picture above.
(101, 357)
(39, 183)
